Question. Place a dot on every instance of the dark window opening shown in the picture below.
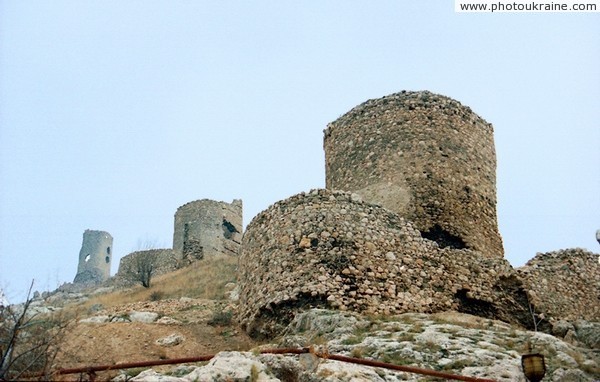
(186, 233)
(228, 229)
(444, 238)
(108, 250)
(107, 259)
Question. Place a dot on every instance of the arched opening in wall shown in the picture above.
(228, 229)
(108, 250)
(444, 238)
(474, 306)
(107, 259)
(87, 258)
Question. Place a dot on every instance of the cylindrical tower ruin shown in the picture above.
(95, 257)
(207, 227)
(426, 157)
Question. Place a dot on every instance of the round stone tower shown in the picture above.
(426, 157)
(207, 227)
(95, 257)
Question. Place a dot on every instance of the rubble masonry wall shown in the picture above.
(207, 228)
(426, 157)
(329, 248)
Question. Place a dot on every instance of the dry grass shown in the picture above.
(203, 279)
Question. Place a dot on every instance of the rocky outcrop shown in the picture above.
(449, 342)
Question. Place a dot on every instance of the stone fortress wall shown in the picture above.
(413, 229)
(564, 284)
(202, 228)
(163, 260)
(426, 157)
(207, 228)
(416, 230)
(330, 249)
(95, 258)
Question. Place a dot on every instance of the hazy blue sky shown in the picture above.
(115, 113)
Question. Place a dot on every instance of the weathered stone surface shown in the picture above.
(170, 340)
(232, 366)
(208, 228)
(424, 156)
(168, 321)
(588, 333)
(152, 376)
(288, 264)
(144, 317)
(564, 285)
(450, 342)
(95, 258)
(95, 319)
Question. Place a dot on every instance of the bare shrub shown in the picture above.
(29, 341)
(157, 295)
(221, 318)
(143, 267)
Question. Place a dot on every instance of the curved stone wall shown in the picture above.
(565, 284)
(426, 157)
(207, 228)
(329, 248)
(95, 258)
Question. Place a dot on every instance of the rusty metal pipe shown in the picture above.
(409, 369)
(130, 365)
(360, 361)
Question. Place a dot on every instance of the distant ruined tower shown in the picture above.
(94, 258)
(426, 157)
(207, 228)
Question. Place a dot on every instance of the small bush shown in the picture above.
(458, 364)
(221, 318)
(353, 340)
(133, 372)
(157, 295)
(357, 352)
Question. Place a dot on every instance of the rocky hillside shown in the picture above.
(192, 312)
(450, 342)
